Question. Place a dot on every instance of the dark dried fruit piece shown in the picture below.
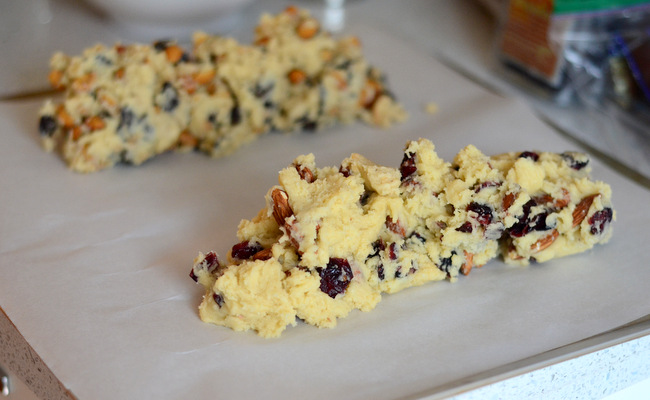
(465, 227)
(483, 211)
(446, 262)
(210, 263)
(600, 220)
(407, 167)
(336, 277)
(217, 299)
(530, 155)
(169, 97)
(47, 125)
(575, 160)
(245, 250)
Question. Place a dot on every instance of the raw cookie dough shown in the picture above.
(333, 239)
(128, 103)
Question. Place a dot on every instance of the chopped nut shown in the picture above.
(95, 123)
(297, 76)
(281, 208)
(546, 241)
(263, 254)
(54, 78)
(305, 173)
(582, 209)
(204, 76)
(308, 28)
(174, 53)
(469, 263)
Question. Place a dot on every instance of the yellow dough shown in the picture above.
(128, 103)
(333, 239)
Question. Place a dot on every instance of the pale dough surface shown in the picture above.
(333, 239)
(129, 103)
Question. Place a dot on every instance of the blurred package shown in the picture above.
(590, 55)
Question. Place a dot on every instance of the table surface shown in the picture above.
(460, 34)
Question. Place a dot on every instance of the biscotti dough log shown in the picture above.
(128, 103)
(558, 210)
(333, 239)
(121, 104)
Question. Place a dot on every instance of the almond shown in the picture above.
(469, 263)
(305, 173)
(582, 209)
(263, 254)
(281, 208)
(508, 200)
(544, 242)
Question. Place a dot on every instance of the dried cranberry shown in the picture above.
(445, 263)
(398, 272)
(336, 277)
(600, 219)
(169, 95)
(235, 116)
(530, 155)
(127, 118)
(344, 171)
(484, 212)
(377, 246)
(380, 272)
(527, 223)
(47, 125)
(418, 237)
(245, 250)
(217, 299)
(392, 251)
(210, 264)
(466, 227)
(365, 196)
(193, 276)
(571, 160)
(161, 45)
(407, 167)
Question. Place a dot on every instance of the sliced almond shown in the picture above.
(281, 208)
(582, 209)
(469, 263)
(263, 254)
(305, 173)
(564, 201)
(508, 200)
(544, 242)
(395, 227)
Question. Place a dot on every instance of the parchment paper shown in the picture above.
(94, 268)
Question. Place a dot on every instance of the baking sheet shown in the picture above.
(95, 267)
